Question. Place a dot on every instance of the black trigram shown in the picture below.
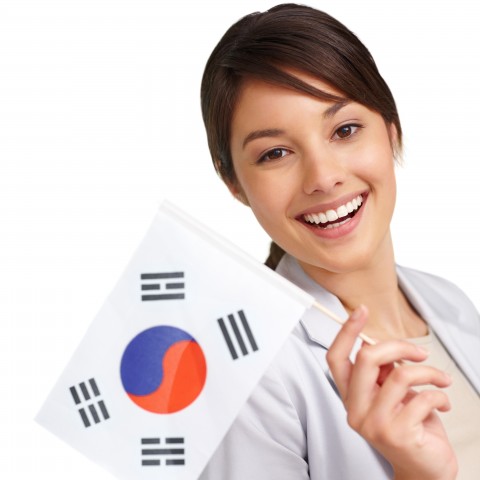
(87, 393)
(171, 452)
(242, 334)
(162, 286)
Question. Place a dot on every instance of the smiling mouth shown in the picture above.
(334, 218)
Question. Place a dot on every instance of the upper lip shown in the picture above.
(333, 205)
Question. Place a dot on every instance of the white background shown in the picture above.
(100, 120)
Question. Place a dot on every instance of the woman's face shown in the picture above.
(319, 176)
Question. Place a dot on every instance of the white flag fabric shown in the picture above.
(173, 354)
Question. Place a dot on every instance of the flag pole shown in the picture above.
(332, 315)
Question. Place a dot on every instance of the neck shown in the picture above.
(376, 286)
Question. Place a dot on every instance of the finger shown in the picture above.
(390, 352)
(369, 364)
(338, 355)
(396, 391)
(384, 373)
(421, 406)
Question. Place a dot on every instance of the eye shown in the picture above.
(273, 154)
(345, 131)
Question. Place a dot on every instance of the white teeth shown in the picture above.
(342, 211)
(332, 215)
(336, 225)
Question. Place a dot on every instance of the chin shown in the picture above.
(338, 264)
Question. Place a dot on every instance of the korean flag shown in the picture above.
(144, 394)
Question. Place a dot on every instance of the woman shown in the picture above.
(303, 129)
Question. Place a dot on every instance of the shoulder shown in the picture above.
(442, 296)
(427, 279)
(433, 284)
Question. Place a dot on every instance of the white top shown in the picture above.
(294, 425)
(462, 422)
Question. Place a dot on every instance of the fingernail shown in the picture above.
(424, 350)
(357, 313)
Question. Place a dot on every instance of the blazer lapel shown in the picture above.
(320, 329)
(448, 319)
(430, 296)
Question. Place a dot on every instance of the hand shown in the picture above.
(384, 409)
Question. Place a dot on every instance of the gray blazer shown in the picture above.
(294, 425)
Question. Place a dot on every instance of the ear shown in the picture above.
(237, 192)
(395, 143)
(392, 132)
(393, 135)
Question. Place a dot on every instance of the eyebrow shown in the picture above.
(269, 132)
(276, 132)
(333, 109)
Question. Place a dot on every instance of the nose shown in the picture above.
(323, 171)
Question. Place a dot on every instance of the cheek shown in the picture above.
(378, 164)
(383, 181)
(264, 205)
(269, 200)
(386, 172)
(263, 192)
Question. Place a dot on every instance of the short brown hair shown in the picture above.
(287, 37)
